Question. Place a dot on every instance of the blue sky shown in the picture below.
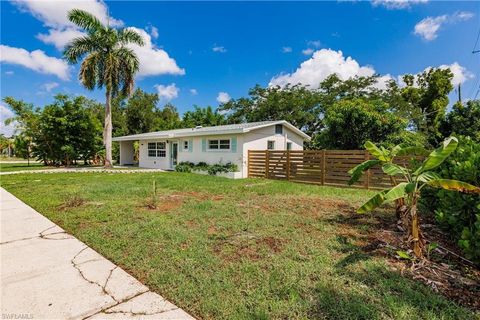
(203, 52)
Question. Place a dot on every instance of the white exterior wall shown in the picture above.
(195, 154)
(258, 140)
(254, 140)
(144, 161)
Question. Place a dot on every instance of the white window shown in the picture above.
(270, 145)
(185, 145)
(289, 146)
(157, 149)
(220, 144)
(278, 129)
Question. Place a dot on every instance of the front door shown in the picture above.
(173, 154)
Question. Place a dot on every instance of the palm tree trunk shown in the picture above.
(107, 132)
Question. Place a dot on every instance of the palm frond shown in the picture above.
(85, 20)
(89, 72)
(77, 48)
(127, 35)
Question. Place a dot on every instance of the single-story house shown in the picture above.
(218, 144)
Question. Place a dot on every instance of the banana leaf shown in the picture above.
(375, 151)
(427, 176)
(357, 171)
(454, 185)
(438, 155)
(399, 191)
(393, 169)
(373, 203)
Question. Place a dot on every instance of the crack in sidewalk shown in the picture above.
(41, 235)
(116, 304)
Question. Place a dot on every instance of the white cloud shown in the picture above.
(153, 32)
(286, 49)
(220, 49)
(54, 13)
(429, 27)
(167, 92)
(59, 38)
(153, 60)
(9, 73)
(323, 63)
(223, 97)
(193, 92)
(36, 60)
(397, 4)
(6, 113)
(314, 43)
(308, 51)
(49, 86)
(460, 74)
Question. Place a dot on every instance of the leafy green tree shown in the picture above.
(67, 131)
(23, 147)
(414, 181)
(108, 63)
(350, 123)
(167, 118)
(7, 146)
(140, 112)
(423, 100)
(295, 103)
(26, 118)
(463, 120)
(202, 117)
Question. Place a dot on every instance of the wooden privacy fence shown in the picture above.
(324, 167)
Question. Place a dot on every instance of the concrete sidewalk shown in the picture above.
(48, 274)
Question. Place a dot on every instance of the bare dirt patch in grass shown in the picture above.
(72, 201)
(247, 246)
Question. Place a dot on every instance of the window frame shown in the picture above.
(219, 144)
(186, 145)
(160, 149)
(289, 146)
(268, 144)
(281, 129)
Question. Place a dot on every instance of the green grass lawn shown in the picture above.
(236, 249)
(21, 166)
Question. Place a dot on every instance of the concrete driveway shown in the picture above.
(49, 274)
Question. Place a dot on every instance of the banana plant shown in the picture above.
(384, 158)
(414, 180)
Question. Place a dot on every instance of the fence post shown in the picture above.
(367, 175)
(288, 164)
(267, 164)
(248, 163)
(323, 166)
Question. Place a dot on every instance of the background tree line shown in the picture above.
(340, 114)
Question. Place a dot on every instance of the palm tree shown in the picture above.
(108, 63)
